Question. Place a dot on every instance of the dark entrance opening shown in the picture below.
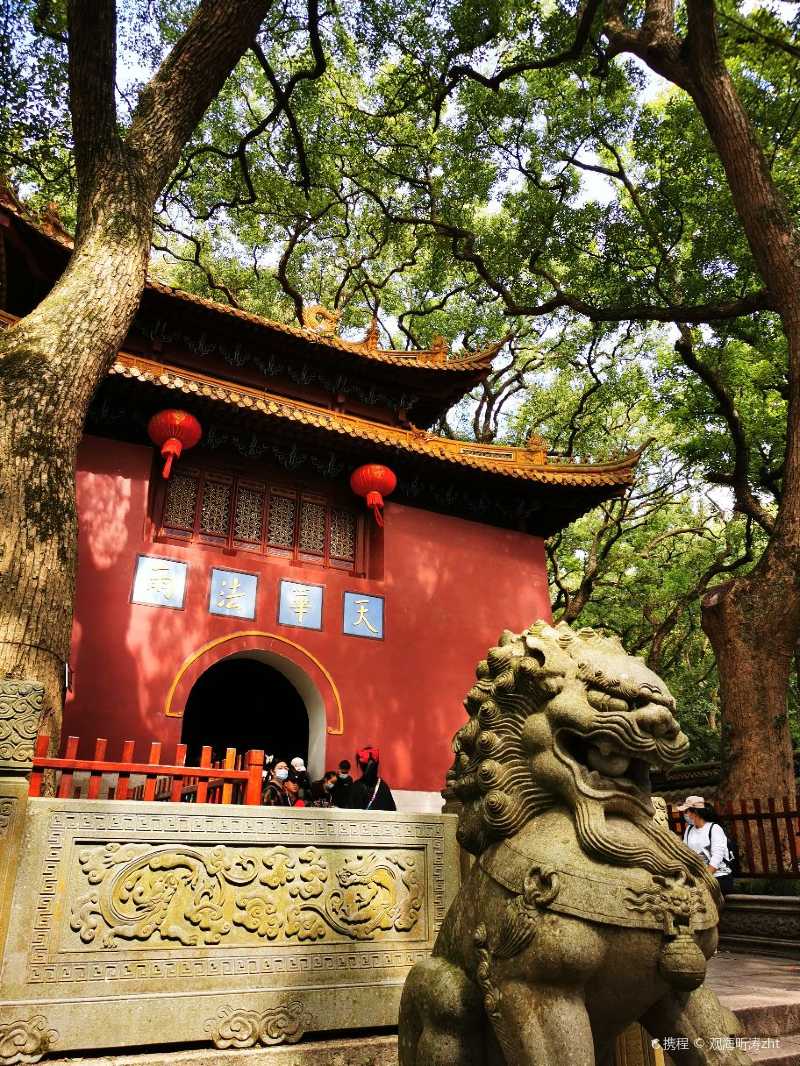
(244, 704)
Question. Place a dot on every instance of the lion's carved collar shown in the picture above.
(606, 895)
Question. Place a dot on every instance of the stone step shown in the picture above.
(778, 1018)
(785, 1053)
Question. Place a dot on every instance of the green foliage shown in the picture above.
(395, 179)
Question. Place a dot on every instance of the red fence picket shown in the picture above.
(233, 780)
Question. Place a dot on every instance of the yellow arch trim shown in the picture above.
(170, 713)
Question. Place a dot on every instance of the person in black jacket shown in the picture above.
(370, 792)
(344, 782)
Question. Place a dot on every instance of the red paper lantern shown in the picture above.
(172, 431)
(374, 481)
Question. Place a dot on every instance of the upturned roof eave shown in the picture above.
(496, 461)
(429, 362)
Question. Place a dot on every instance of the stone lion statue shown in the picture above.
(581, 913)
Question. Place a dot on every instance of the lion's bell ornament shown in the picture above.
(681, 961)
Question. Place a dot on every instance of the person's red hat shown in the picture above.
(363, 755)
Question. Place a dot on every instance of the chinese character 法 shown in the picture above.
(230, 600)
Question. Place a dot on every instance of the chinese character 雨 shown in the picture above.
(363, 607)
(160, 582)
(231, 599)
(301, 604)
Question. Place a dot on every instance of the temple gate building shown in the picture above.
(251, 599)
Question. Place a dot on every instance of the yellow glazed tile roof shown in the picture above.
(437, 357)
(522, 463)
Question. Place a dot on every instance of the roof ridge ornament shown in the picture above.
(537, 446)
(373, 333)
(321, 320)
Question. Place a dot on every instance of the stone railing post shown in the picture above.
(20, 720)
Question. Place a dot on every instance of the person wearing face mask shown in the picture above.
(706, 837)
(344, 782)
(275, 793)
(322, 790)
(370, 792)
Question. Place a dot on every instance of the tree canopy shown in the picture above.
(547, 173)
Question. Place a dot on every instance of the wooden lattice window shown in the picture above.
(244, 514)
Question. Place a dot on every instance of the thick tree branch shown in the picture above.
(739, 481)
(92, 69)
(283, 95)
(463, 243)
(176, 97)
(586, 17)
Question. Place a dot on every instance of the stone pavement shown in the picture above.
(764, 993)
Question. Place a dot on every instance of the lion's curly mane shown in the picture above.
(491, 775)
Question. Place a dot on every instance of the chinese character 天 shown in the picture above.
(161, 582)
(362, 619)
(363, 615)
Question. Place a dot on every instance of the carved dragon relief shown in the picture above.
(321, 320)
(583, 913)
(194, 896)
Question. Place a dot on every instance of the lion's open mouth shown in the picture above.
(603, 765)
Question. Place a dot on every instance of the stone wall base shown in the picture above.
(764, 925)
(369, 1050)
(372, 1049)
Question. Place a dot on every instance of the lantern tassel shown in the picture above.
(171, 449)
(375, 501)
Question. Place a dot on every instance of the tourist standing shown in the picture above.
(706, 837)
(370, 792)
(275, 794)
(322, 790)
(298, 766)
(292, 787)
(344, 782)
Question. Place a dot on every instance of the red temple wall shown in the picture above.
(450, 587)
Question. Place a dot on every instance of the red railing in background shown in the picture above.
(235, 779)
(768, 839)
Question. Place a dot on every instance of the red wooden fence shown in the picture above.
(768, 839)
(233, 780)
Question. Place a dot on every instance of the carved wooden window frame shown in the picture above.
(270, 487)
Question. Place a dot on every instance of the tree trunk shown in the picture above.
(50, 365)
(753, 623)
(52, 361)
(747, 624)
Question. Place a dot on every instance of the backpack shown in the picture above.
(732, 858)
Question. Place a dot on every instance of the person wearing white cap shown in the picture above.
(706, 837)
(302, 775)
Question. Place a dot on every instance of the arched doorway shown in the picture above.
(243, 702)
